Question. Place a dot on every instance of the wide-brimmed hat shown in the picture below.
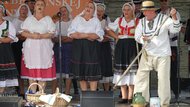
(148, 5)
(137, 1)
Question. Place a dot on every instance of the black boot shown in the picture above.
(123, 101)
(130, 101)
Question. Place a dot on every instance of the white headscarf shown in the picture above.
(69, 9)
(101, 5)
(131, 5)
(95, 11)
(17, 14)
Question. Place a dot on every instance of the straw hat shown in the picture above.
(148, 5)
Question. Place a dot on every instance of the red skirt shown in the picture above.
(48, 74)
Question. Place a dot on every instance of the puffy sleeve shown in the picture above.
(51, 26)
(138, 33)
(99, 31)
(174, 26)
(25, 25)
(14, 22)
(108, 20)
(174, 35)
(12, 32)
(114, 26)
(73, 27)
(57, 29)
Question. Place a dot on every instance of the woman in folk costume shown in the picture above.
(38, 64)
(8, 70)
(66, 48)
(125, 51)
(86, 32)
(22, 13)
(105, 49)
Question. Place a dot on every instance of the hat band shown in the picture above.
(148, 6)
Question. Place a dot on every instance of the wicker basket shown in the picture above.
(59, 102)
(34, 97)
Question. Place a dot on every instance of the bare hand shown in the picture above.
(183, 29)
(35, 36)
(146, 38)
(106, 38)
(75, 35)
(116, 39)
(90, 39)
(173, 13)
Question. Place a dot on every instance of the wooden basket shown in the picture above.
(34, 97)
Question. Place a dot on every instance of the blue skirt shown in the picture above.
(66, 50)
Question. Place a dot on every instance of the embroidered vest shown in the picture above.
(130, 31)
(5, 31)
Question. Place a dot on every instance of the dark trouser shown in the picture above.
(174, 72)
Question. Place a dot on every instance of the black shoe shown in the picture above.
(147, 104)
(120, 95)
(122, 101)
(176, 96)
(22, 95)
(76, 92)
(130, 101)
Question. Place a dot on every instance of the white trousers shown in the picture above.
(162, 66)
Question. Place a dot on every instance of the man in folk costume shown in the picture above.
(157, 51)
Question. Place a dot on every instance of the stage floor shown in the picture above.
(183, 101)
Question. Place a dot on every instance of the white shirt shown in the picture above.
(64, 27)
(9, 18)
(38, 53)
(172, 35)
(79, 24)
(159, 45)
(11, 31)
(17, 24)
(105, 22)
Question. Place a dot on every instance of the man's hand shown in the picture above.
(146, 38)
(173, 13)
